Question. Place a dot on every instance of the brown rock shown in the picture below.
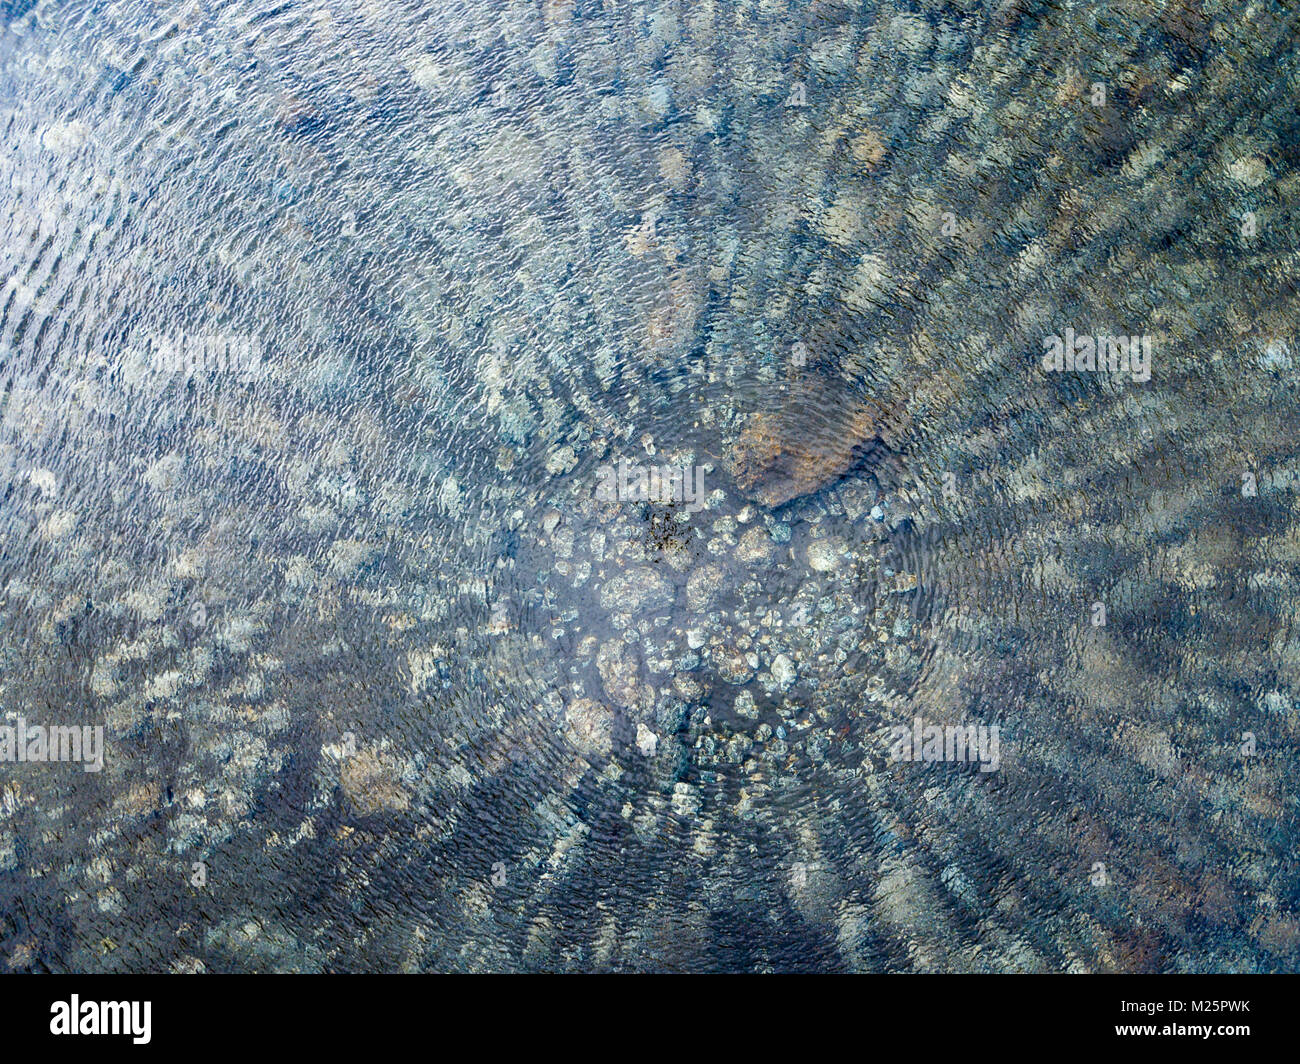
(671, 322)
(590, 726)
(620, 674)
(800, 449)
(868, 148)
(372, 783)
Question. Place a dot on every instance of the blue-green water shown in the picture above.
(322, 326)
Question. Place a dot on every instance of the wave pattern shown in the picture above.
(321, 326)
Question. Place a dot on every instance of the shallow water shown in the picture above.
(319, 325)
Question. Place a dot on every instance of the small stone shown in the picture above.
(58, 524)
(646, 740)
(620, 673)
(685, 801)
(590, 726)
(451, 496)
(755, 546)
(783, 670)
(165, 474)
(45, 482)
(824, 554)
(372, 782)
(637, 590)
(658, 100)
(561, 461)
(868, 148)
(562, 541)
(731, 664)
(745, 706)
(1251, 171)
(675, 168)
(702, 586)
(1276, 356)
(64, 138)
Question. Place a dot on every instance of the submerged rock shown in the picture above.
(799, 449)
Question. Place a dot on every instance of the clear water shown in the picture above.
(318, 323)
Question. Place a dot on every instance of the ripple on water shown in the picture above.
(320, 331)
